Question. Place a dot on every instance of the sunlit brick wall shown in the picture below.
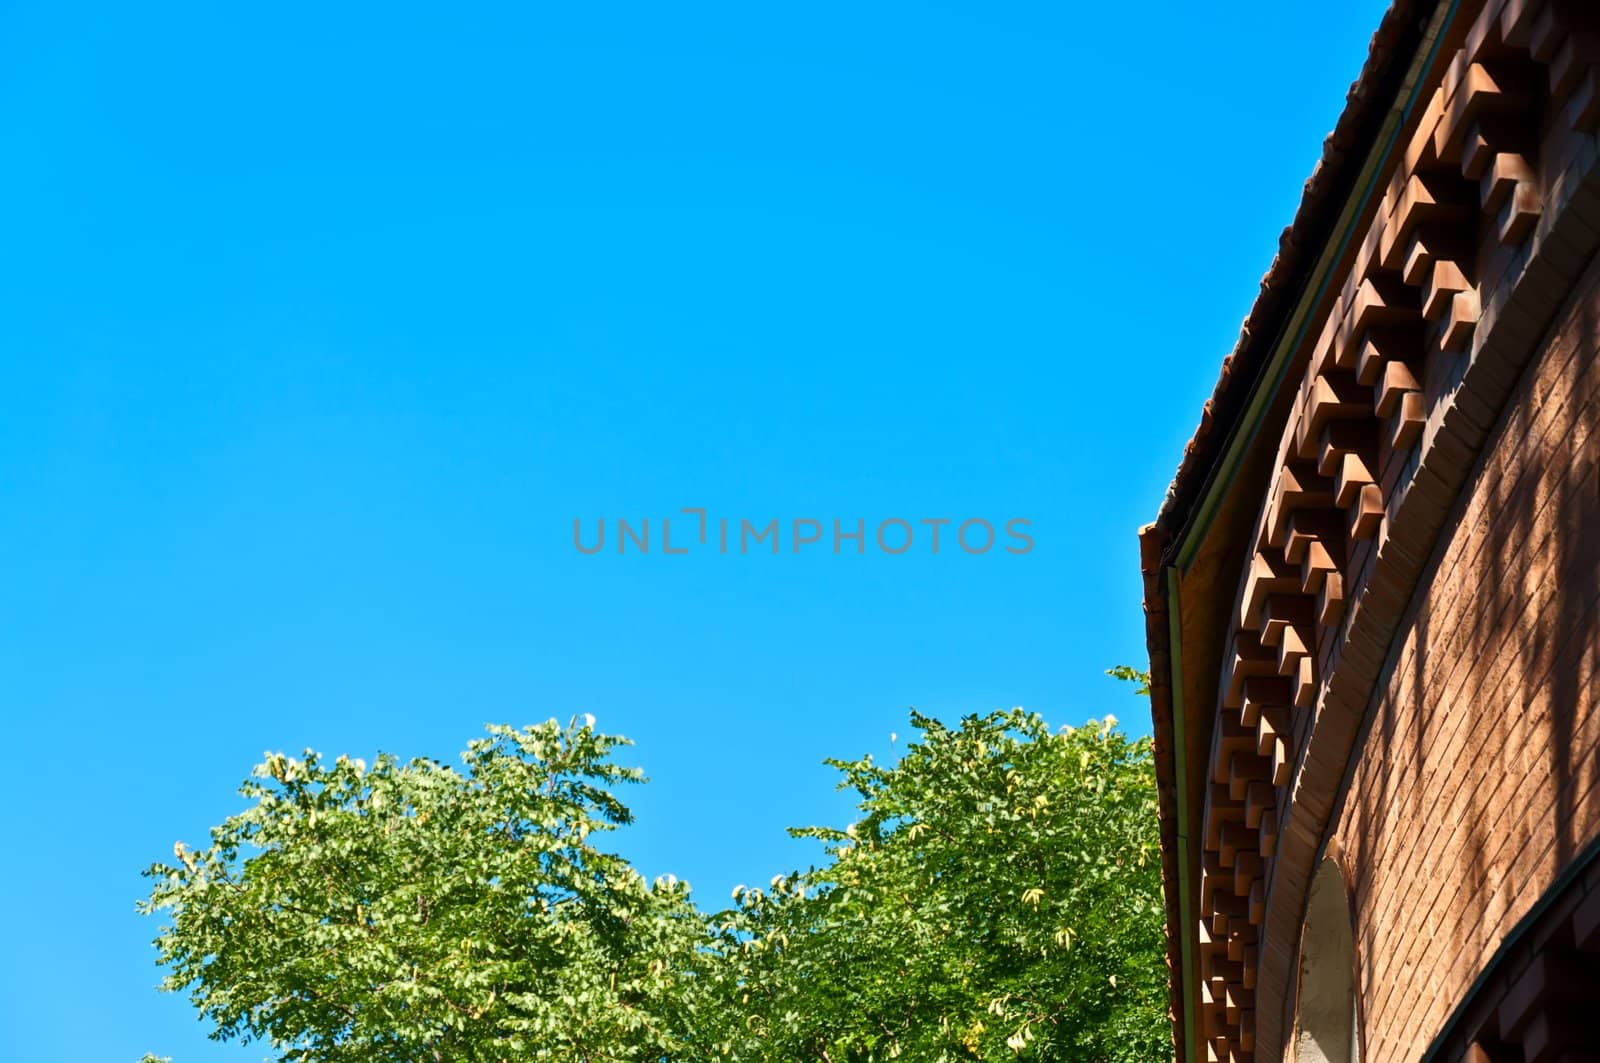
(1476, 782)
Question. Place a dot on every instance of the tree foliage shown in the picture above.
(407, 912)
(998, 899)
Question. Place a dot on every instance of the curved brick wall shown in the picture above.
(1475, 783)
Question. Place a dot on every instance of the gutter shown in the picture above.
(1181, 784)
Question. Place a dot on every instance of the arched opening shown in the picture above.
(1325, 1028)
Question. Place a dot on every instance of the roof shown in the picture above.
(1320, 202)
(1243, 370)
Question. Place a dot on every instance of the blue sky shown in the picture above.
(322, 323)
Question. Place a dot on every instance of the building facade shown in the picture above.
(1372, 590)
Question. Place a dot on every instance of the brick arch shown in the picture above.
(1534, 997)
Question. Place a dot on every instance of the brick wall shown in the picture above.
(1477, 779)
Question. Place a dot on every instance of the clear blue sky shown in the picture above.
(320, 323)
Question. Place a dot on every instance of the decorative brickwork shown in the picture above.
(1461, 807)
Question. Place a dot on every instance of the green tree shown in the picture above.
(409, 912)
(998, 899)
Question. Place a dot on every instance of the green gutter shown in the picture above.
(1180, 761)
(1249, 426)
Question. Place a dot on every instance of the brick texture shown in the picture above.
(1476, 781)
